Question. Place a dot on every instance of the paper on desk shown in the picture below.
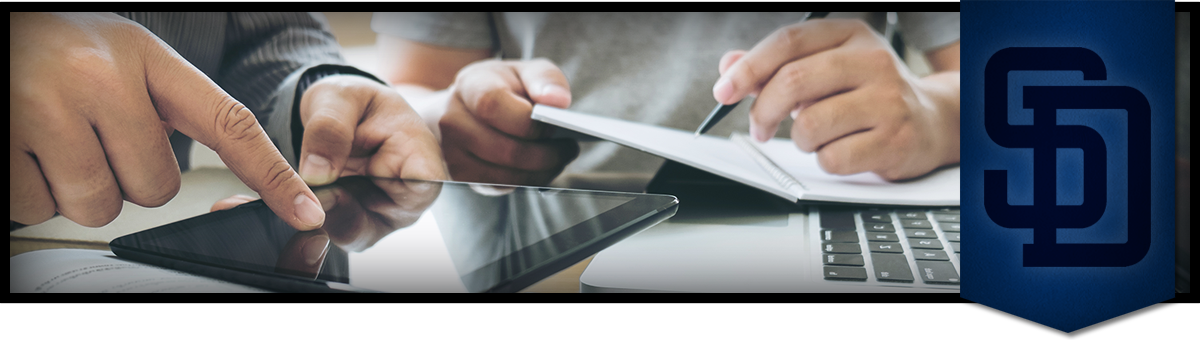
(723, 157)
(98, 271)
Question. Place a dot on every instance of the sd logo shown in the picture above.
(1044, 137)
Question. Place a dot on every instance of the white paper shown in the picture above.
(940, 187)
(716, 155)
(97, 271)
(723, 157)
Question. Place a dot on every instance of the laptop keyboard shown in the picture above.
(893, 246)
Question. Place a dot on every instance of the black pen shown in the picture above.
(719, 112)
(722, 110)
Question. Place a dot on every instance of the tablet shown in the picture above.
(391, 235)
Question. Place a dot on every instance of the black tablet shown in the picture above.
(390, 235)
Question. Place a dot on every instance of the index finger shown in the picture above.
(189, 102)
(752, 70)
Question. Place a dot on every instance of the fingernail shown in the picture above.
(723, 90)
(316, 170)
(308, 212)
(315, 248)
(795, 113)
(327, 198)
(552, 90)
(756, 133)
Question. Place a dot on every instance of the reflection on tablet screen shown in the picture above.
(405, 235)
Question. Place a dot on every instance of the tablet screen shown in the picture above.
(408, 236)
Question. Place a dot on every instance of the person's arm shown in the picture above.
(945, 82)
(327, 118)
(93, 98)
(480, 109)
(421, 72)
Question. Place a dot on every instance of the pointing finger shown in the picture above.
(191, 103)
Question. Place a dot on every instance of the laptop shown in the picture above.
(728, 237)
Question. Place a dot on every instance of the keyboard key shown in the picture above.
(882, 237)
(846, 273)
(891, 267)
(937, 272)
(930, 255)
(880, 227)
(843, 259)
(946, 211)
(925, 244)
(885, 247)
(946, 218)
(839, 236)
(876, 216)
(835, 219)
(911, 214)
(842, 251)
(949, 226)
(916, 224)
(952, 237)
(841, 248)
(875, 210)
(920, 233)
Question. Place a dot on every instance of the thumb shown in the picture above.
(190, 102)
(728, 59)
(723, 90)
(545, 83)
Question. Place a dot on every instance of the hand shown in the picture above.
(487, 133)
(302, 255)
(361, 212)
(853, 101)
(92, 101)
(356, 126)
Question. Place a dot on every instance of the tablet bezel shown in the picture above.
(628, 218)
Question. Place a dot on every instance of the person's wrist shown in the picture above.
(943, 90)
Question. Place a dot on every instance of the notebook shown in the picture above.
(777, 166)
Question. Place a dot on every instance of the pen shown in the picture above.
(722, 110)
(717, 113)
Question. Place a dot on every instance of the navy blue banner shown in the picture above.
(1068, 147)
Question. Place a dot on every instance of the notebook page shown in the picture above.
(98, 271)
(717, 155)
(940, 187)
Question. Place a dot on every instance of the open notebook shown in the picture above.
(776, 166)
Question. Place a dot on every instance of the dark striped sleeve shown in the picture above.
(265, 56)
(262, 49)
(258, 58)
